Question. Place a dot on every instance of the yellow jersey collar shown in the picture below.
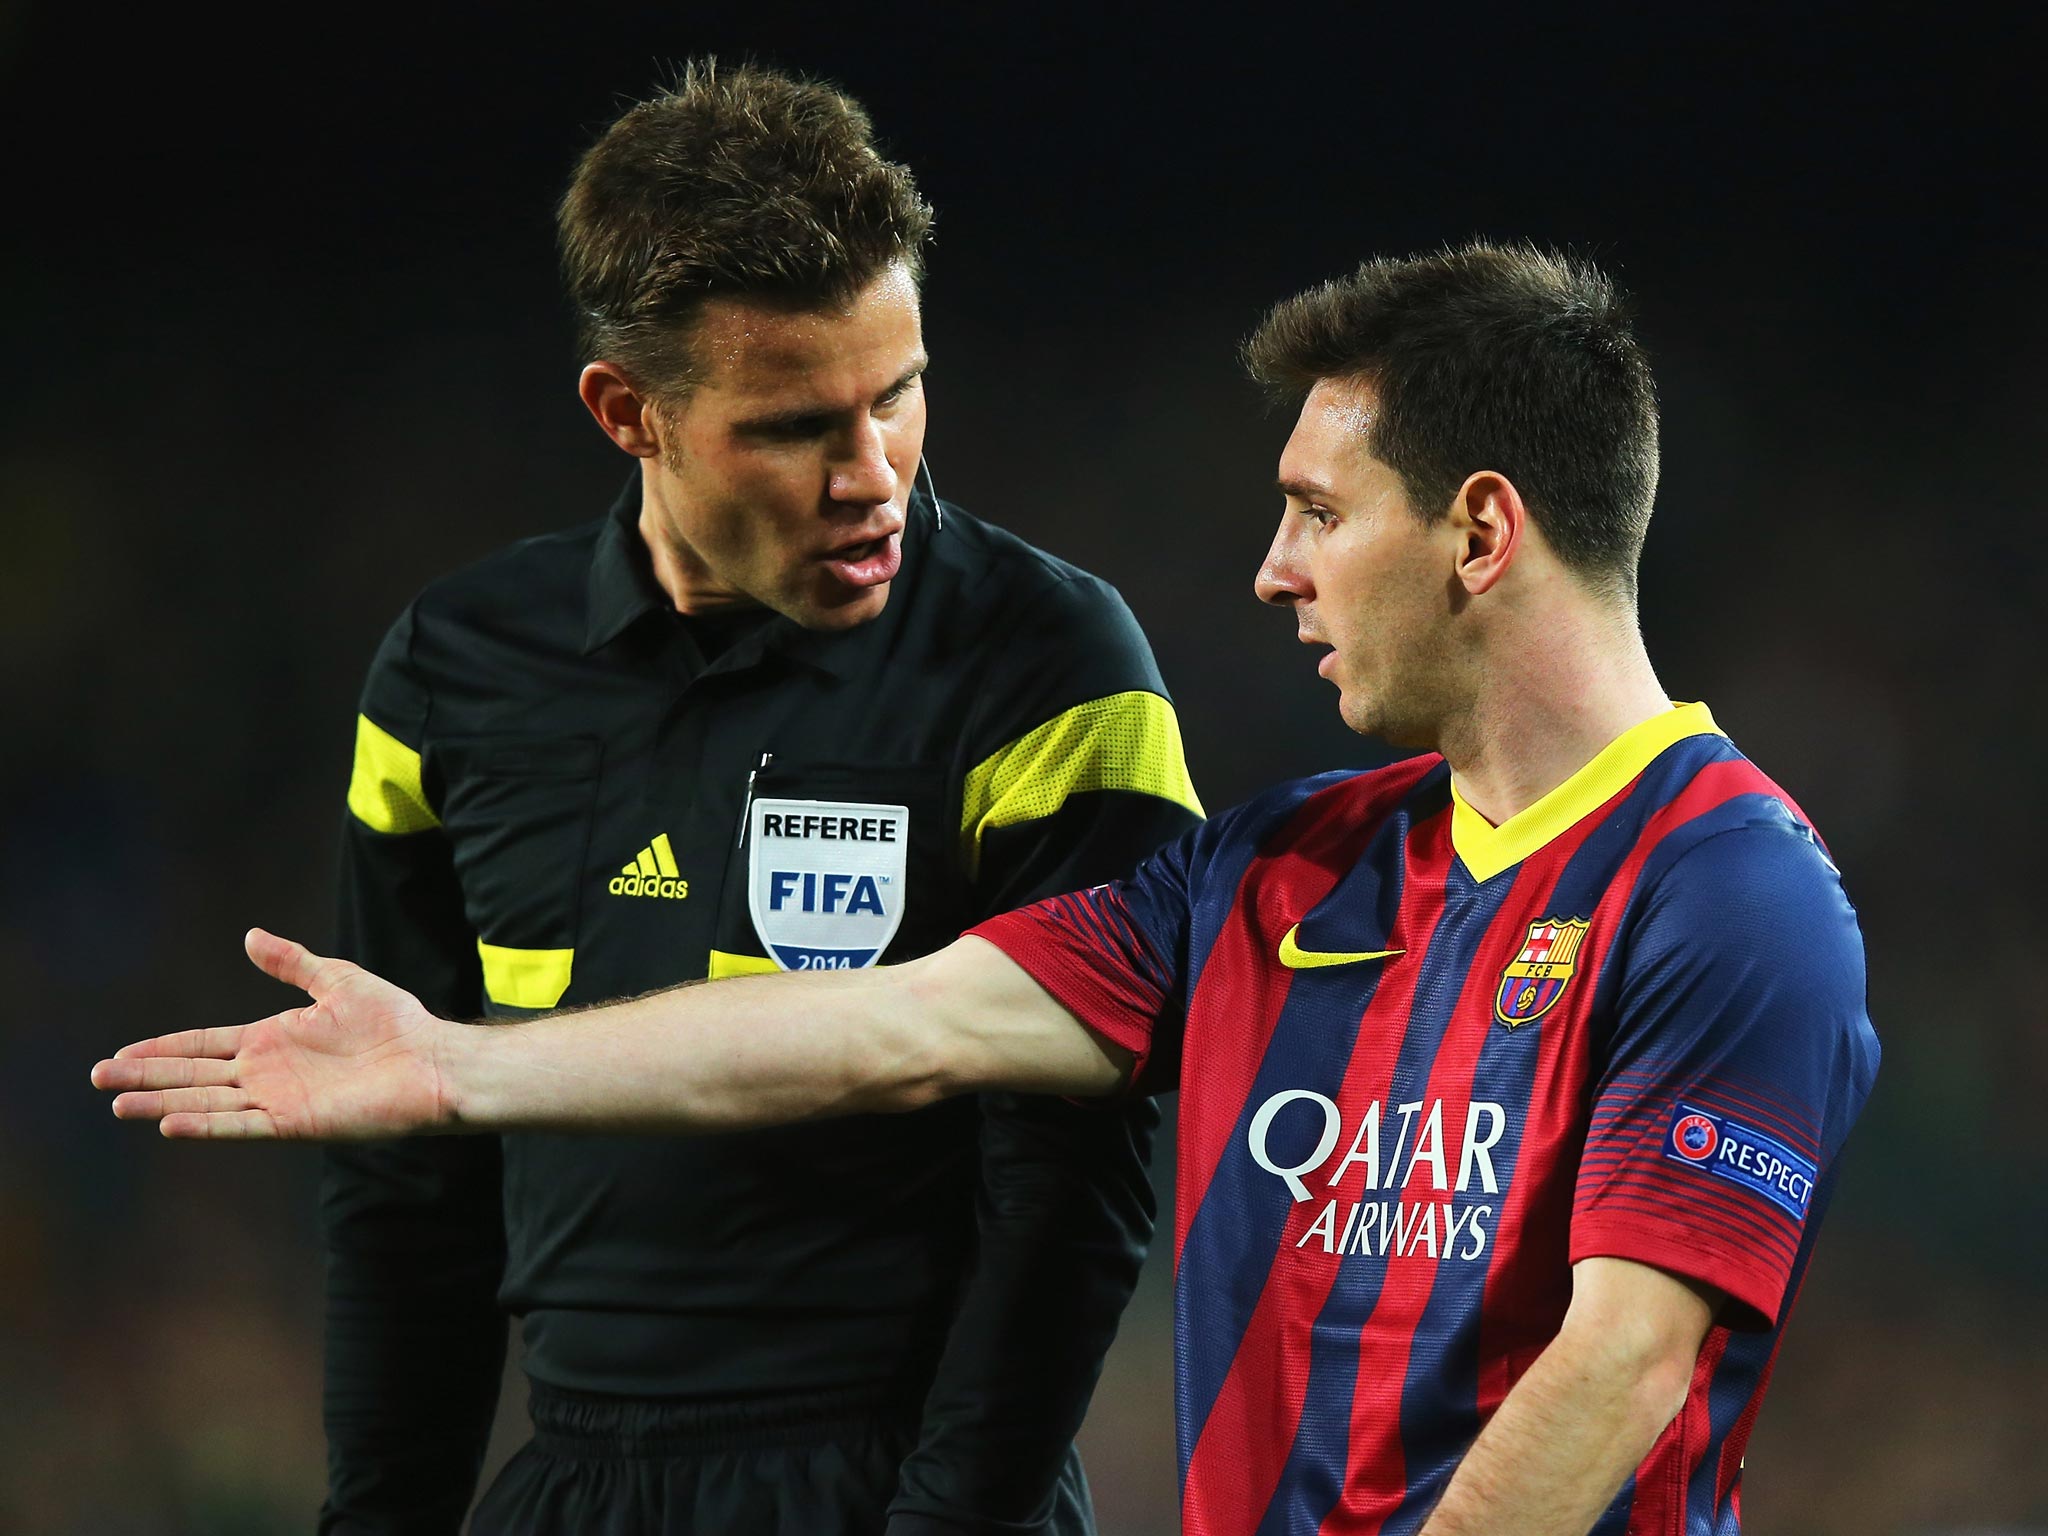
(1487, 849)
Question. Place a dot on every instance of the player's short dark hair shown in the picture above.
(736, 182)
(1490, 357)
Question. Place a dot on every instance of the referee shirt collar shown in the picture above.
(622, 584)
(623, 590)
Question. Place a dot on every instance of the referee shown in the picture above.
(778, 709)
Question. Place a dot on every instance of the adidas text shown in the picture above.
(649, 885)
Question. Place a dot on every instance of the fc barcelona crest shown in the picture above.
(1532, 982)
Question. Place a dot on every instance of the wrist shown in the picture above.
(461, 1055)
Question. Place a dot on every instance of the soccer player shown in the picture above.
(1513, 1075)
(779, 709)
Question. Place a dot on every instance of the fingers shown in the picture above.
(219, 1044)
(155, 1104)
(293, 963)
(163, 1072)
(240, 1125)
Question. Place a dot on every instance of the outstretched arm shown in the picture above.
(364, 1059)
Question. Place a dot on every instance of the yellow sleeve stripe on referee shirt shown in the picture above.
(723, 964)
(1127, 741)
(525, 978)
(384, 789)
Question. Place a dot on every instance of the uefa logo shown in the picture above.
(1694, 1138)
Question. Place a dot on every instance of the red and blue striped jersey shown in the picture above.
(1427, 1064)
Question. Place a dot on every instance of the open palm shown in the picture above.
(361, 1060)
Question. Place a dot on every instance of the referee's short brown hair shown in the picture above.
(736, 182)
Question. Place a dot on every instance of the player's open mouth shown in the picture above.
(1323, 662)
(867, 564)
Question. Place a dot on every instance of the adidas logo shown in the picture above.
(653, 872)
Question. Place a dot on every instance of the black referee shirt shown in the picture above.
(565, 792)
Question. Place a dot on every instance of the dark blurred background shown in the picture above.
(282, 342)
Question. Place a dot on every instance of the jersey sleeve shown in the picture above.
(1116, 957)
(1077, 769)
(413, 1230)
(1741, 1054)
(400, 908)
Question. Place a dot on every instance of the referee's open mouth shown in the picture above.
(868, 563)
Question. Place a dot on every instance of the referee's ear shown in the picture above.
(618, 408)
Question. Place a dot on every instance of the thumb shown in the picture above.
(292, 963)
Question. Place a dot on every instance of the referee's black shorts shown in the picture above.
(813, 1466)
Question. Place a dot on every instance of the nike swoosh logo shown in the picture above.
(1295, 958)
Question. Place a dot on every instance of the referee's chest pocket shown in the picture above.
(840, 866)
(518, 814)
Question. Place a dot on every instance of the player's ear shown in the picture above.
(1489, 517)
(619, 409)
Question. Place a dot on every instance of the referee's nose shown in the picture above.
(1283, 576)
(861, 474)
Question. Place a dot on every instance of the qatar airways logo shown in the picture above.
(1405, 1153)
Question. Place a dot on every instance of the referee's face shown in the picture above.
(783, 478)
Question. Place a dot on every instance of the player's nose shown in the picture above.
(1283, 575)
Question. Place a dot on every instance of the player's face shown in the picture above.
(784, 476)
(1364, 575)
